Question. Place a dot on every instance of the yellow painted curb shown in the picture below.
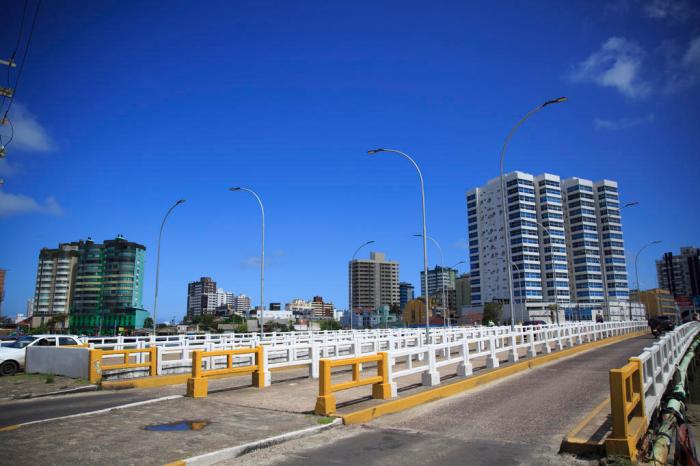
(176, 463)
(174, 379)
(9, 428)
(444, 391)
(572, 443)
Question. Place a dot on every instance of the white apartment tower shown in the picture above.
(560, 233)
(373, 282)
(54, 282)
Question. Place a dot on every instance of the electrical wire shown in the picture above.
(24, 58)
(14, 52)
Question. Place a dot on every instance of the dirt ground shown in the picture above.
(29, 385)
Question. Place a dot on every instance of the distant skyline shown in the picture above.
(123, 111)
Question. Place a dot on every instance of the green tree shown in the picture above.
(330, 325)
(148, 322)
(492, 313)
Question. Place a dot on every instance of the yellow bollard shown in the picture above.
(197, 386)
(259, 373)
(382, 391)
(95, 366)
(325, 403)
(153, 351)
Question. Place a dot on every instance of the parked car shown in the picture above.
(12, 355)
(534, 323)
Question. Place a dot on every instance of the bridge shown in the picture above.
(493, 395)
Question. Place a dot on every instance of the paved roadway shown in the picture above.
(518, 420)
(20, 411)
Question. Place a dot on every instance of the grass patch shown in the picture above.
(50, 378)
(325, 420)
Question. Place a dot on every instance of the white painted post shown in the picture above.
(464, 368)
(532, 351)
(432, 377)
(492, 359)
(315, 358)
(513, 353)
(267, 380)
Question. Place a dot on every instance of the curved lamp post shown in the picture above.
(425, 233)
(262, 255)
(350, 295)
(160, 235)
(506, 233)
(636, 273)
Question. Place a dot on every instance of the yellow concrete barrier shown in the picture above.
(198, 384)
(629, 421)
(381, 387)
(97, 368)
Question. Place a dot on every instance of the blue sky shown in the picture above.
(125, 108)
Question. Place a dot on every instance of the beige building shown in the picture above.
(54, 284)
(414, 312)
(657, 302)
(373, 282)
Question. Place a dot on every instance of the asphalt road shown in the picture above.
(518, 420)
(20, 411)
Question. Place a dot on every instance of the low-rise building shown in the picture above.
(658, 302)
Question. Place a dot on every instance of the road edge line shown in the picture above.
(239, 450)
(451, 389)
(88, 413)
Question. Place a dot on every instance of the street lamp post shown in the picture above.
(636, 274)
(425, 233)
(556, 290)
(262, 255)
(160, 235)
(442, 264)
(506, 233)
(350, 294)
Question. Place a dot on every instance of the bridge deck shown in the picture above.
(534, 408)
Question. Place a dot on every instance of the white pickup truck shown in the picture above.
(12, 355)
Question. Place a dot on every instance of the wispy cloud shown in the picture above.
(622, 123)
(682, 66)
(668, 9)
(15, 204)
(7, 168)
(29, 134)
(618, 64)
(271, 260)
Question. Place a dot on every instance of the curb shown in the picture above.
(444, 391)
(86, 388)
(234, 452)
(88, 413)
(576, 445)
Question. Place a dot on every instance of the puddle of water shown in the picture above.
(178, 426)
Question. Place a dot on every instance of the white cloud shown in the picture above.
(668, 9)
(617, 64)
(683, 71)
(271, 260)
(29, 135)
(7, 168)
(14, 204)
(622, 123)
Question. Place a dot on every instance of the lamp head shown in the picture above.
(655, 242)
(234, 189)
(418, 235)
(181, 201)
(374, 151)
(558, 100)
(370, 242)
(630, 204)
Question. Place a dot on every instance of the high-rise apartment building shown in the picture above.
(680, 273)
(108, 288)
(373, 282)
(406, 294)
(438, 278)
(54, 284)
(202, 298)
(223, 297)
(565, 240)
(463, 292)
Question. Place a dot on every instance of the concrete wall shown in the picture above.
(70, 362)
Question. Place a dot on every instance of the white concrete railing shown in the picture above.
(660, 360)
(537, 340)
(307, 348)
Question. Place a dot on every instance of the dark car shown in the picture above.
(665, 323)
(534, 322)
